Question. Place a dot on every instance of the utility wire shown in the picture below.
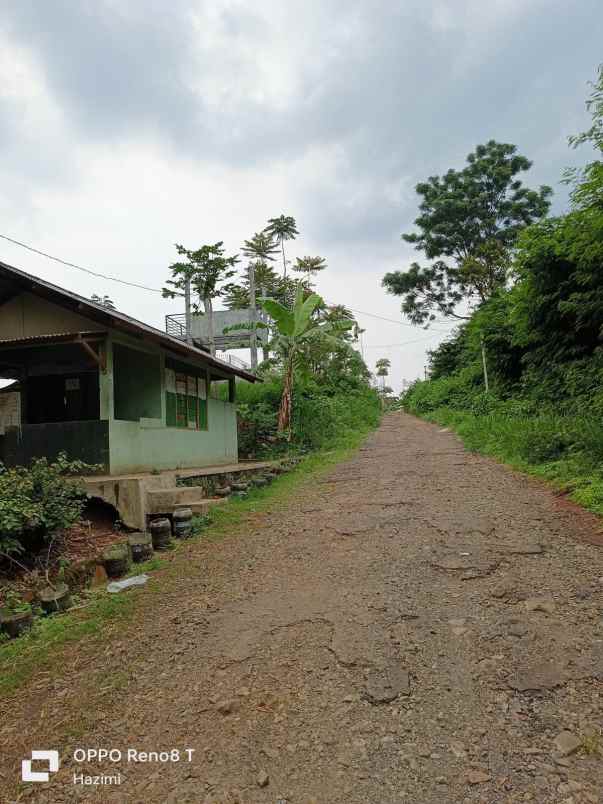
(79, 267)
(393, 320)
(406, 343)
(158, 290)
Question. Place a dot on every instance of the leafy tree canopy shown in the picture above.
(588, 182)
(469, 222)
(280, 229)
(206, 268)
(309, 265)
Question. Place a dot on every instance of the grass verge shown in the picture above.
(544, 446)
(40, 649)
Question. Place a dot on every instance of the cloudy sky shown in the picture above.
(128, 126)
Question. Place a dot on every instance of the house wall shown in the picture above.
(141, 446)
(123, 446)
(138, 446)
(28, 315)
(136, 384)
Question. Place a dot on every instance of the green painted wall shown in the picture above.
(138, 446)
(141, 446)
(136, 384)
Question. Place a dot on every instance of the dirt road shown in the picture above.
(420, 625)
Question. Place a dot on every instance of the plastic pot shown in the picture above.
(161, 533)
(53, 600)
(183, 523)
(141, 545)
(15, 623)
(117, 560)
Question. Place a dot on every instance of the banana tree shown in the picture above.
(295, 329)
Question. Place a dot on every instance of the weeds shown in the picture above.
(39, 649)
(592, 744)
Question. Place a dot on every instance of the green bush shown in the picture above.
(321, 417)
(41, 498)
(320, 421)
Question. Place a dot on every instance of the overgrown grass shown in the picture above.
(321, 416)
(565, 450)
(40, 649)
(21, 658)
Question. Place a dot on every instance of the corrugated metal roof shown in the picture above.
(115, 319)
(51, 336)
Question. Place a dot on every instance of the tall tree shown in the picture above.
(309, 266)
(282, 228)
(469, 223)
(260, 250)
(296, 327)
(383, 366)
(588, 181)
(205, 271)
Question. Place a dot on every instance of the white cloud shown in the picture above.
(127, 127)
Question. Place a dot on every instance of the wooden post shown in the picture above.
(254, 336)
(187, 310)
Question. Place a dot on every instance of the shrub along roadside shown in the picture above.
(41, 649)
(38, 500)
(322, 416)
(566, 450)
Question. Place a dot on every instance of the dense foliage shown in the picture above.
(42, 498)
(543, 338)
(323, 415)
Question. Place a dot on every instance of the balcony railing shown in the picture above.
(175, 325)
(233, 360)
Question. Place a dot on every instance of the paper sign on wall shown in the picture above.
(170, 380)
(191, 386)
(10, 410)
(181, 384)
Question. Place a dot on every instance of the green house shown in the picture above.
(106, 388)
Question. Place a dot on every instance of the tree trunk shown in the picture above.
(266, 338)
(209, 311)
(284, 414)
(284, 262)
(254, 334)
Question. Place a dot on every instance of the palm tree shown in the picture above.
(260, 249)
(297, 328)
(104, 301)
(281, 229)
(309, 266)
(335, 312)
(383, 366)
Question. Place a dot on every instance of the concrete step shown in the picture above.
(161, 500)
(203, 506)
(166, 502)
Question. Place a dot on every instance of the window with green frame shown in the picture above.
(185, 398)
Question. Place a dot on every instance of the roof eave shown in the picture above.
(116, 320)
